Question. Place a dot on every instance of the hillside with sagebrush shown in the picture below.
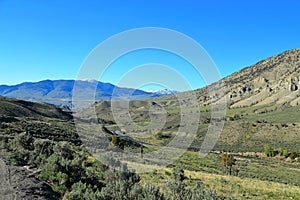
(43, 157)
(255, 157)
(261, 107)
(260, 137)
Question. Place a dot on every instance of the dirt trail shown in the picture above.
(6, 191)
(16, 183)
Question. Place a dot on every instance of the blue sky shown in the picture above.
(51, 39)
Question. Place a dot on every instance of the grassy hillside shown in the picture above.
(246, 129)
(246, 133)
(20, 108)
(255, 157)
(261, 131)
(43, 151)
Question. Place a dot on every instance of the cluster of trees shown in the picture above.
(272, 152)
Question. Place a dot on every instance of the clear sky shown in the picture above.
(41, 39)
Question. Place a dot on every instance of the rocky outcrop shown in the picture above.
(294, 84)
(274, 80)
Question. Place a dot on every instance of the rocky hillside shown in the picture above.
(272, 81)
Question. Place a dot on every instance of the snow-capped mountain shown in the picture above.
(163, 92)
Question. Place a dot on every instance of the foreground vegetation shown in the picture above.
(55, 153)
(254, 164)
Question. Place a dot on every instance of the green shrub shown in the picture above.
(228, 161)
(151, 192)
(293, 155)
(268, 150)
(82, 191)
(168, 173)
(285, 153)
(20, 157)
(25, 140)
(117, 142)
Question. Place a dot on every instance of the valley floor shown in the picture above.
(248, 185)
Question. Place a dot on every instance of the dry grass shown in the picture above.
(241, 188)
(246, 188)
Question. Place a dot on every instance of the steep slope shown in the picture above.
(271, 81)
(20, 108)
(25, 125)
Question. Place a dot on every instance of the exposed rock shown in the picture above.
(274, 80)
(294, 84)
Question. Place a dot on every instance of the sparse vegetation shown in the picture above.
(260, 136)
(228, 161)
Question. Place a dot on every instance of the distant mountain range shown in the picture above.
(59, 92)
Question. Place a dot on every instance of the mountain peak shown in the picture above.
(163, 91)
(89, 80)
